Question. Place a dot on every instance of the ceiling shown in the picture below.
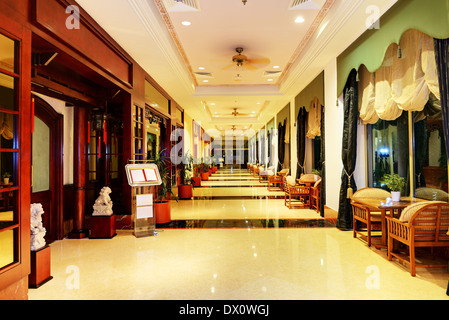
(194, 63)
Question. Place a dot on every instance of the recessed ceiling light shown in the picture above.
(201, 68)
(205, 80)
(276, 67)
(299, 20)
(269, 79)
(186, 23)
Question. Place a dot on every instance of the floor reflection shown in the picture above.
(239, 200)
(248, 224)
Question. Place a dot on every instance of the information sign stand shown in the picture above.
(143, 175)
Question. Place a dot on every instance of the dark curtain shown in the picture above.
(257, 149)
(442, 59)
(281, 146)
(421, 141)
(282, 142)
(349, 151)
(323, 164)
(301, 124)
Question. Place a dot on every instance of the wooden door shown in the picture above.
(47, 167)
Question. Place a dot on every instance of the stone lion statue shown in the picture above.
(103, 204)
(37, 229)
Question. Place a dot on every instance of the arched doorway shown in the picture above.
(47, 167)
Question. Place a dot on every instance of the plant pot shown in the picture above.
(396, 196)
(204, 176)
(5, 180)
(185, 191)
(214, 169)
(162, 211)
(196, 181)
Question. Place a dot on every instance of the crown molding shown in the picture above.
(156, 28)
(341, 13)
(344, 14)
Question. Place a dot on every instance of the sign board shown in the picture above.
(141, 175)
(144, 206)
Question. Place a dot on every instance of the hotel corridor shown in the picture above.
(233, 241)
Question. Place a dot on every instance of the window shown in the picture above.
(388, 145)
(430, 153)
(389, 150)
(9, 153)
(384, 156)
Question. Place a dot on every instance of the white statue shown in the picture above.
(37, 229)
(103, 204)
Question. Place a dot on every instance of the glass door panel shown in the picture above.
(41, 156)
(7, 54)
(9, 224)
(6, 248)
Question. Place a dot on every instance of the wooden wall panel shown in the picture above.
(88, 40)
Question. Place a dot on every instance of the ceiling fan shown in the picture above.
(240, 60)
(235, 113)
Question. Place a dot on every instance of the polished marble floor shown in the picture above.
(247, 247)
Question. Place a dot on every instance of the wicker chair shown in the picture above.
(277, 179)
(315, 196)
(293, 190)
(256, 171)
(372, 219)
(363, 214)
(307, 176)
(432, 194)
(423, 224)
(266, 173)
(371, 193)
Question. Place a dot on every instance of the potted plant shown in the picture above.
(317, 174)
(6, 177)
(214, 166)
(205, 171)
(163, 192)
(185, 188)
(196, 179)
(395, 184)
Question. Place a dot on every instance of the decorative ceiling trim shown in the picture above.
(181, 5)
(303, 5)
(171, 29)
(155, 28)
(319, 18)
(344, 12)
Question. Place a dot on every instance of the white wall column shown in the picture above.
(293, 139)
(334, 113)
